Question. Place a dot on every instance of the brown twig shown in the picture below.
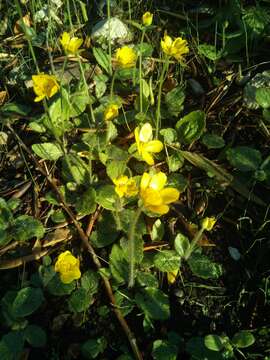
(131, 338)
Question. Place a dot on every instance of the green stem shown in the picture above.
(161, 81)
(110, 44)
(131, 247)
(140, 71)
(194, 243)
(112, 84)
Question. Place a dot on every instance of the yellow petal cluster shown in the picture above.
(147, 18)
(175, 48)
(154, 195)
(125, 186)
(70, 44)
(126, 57)
(45, 86)
(145, 145)
(111, 112)
(68, 266)
(208, 223)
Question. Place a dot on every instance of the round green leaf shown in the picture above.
(27, 301)
(48, 151)
(26, 227)
(106, 197)
(57, 288)
(181, 244)
(11, 345)
(154, 303)
(35, 335)
(244, 158)
(243, 339)
(90, 281)
(203, 267)
(191, 127)
(263, 97)
(80, 300)
(213, 141)
(164, 350)
(93, 347)
(213, 342)
(86, 202)
(167, 260)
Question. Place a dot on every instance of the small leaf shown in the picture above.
(48, 151)
(102, 58)
(167, 260)
(80, 300)
(243, 339)
(26, 227)
(213, 342)
(11, 345)
(203, 267)
(154, 303)
(90, 281)
(86, 202)
(213, 141)
(209, 51)
(57, 288)
(164, 350)
(244, 158)
(93, 347)
(118, 264)
(191, 127)
(175, 161)
(146, 279)
(263, 97)
(157, 232)
(170, 135)
(181, 244)
(174, 100)
(106, 197)
(27, 301)
(35, 335)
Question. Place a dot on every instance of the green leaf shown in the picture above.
(102, 58)
(6, 216)
(243, 339)
(174, 100)
(48, 151)
(209, 51)
(74, 169)
(147, 279)
(57, 288)
(169, 135)
(167, 260)
(118, 264)
(78, 102)
(191, 127)
(86, 202)
(178, 181)
(145, 49)
(11, 346)
(263, 97)
(203, 267)
(106, 197)
(181, 244)
(80, 300)
(124, 302)
(154, 303)
(157, 232)
(244, 158)
(213, 342)
(164, 350)
(196, 348)
(35, 335)
(115, 168)
(93, 347)
(15, 108)
(106, 232)
(175, 161)
(5, 237)
(138, 248)
(27, 301)
(213, 141)
(90, 281)
(26, 227)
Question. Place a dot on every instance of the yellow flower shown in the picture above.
(68, 267)
(145, 145)
(126, 57)
(70, 44)
(154, 195)
(125, 186)
(172, 275)
(176, 48)
(147, 18)
(208, 223)
(111, 112)
(45, 86)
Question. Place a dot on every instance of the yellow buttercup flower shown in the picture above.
(45, 86)
(68, 266)
(125, 186)
(147, 18)
(208, 223)
(126, 57)
(70, 44)
(111, 112)
(145, 145)
(176, 48)
(154, 195)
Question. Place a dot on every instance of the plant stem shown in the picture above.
(161, 81)
(140, 71)
(112, 84)
(109, 23)
(194, 243)
(131, 247)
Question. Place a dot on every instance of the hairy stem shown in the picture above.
(131, 247)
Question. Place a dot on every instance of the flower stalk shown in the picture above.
(131, 247)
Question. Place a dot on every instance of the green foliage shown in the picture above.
(48, 151)
(243, 339)
(27, 301)
(213, 141)
(203, 267)
(167, 260)
(93, 347)
(244, 158)
(35, 336)
(154, 303)
(174, 100)
(191, 127)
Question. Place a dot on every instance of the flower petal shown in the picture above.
(145, 180)
(160, 209)
(146, 133)
(147, 157)
(158, 181)
(154, 146)
(169, 195)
